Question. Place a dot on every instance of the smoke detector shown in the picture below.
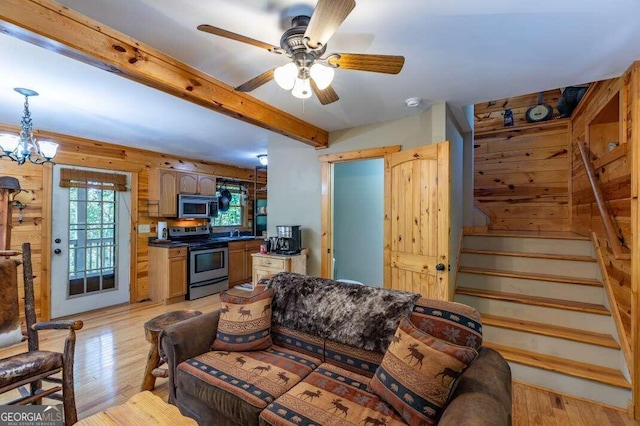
(413, 102)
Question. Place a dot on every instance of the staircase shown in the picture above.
(544, 309)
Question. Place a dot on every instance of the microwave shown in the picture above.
(197, 206)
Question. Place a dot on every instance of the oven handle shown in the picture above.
(196, 250)
(209, 282)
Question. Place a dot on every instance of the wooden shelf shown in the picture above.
(541, 126)
(546, 302)
(570, 367)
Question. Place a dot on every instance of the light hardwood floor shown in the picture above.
(111, 354)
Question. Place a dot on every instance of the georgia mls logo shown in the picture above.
(31, 415)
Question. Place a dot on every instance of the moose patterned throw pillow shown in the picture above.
(418, 373)
(245, 322)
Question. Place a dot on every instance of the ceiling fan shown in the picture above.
(305, 44)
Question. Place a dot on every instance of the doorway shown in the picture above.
(90, 234)
(416, 235)
(358, 213)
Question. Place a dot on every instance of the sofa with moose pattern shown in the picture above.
(335, 354)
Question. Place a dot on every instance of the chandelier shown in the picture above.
(25, 147)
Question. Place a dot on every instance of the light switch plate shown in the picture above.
(144, 229)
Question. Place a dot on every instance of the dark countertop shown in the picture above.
(171, 244)
(152, 241)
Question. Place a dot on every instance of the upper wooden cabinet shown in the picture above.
(191, 183)
(165, 185)
(206, 185)
(187, 183)
(163, 192)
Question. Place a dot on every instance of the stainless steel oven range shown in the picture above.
(207, 263)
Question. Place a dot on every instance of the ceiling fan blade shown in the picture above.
(237, 37)
(326, 96)
(387, 64)
(256, 82)
(326, 18)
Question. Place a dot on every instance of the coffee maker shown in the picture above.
(288, 240)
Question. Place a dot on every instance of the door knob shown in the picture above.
(57, 251)
(440, 267)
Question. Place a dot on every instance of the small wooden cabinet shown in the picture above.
(206, 185)
(167, 274)
(268, 264)
(187, 183)
(240, 264)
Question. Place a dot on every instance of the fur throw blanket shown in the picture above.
(357, 315)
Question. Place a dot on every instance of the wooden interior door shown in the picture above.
(416, 221)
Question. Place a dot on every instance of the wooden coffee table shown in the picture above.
(142, 408)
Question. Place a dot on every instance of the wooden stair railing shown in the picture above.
(612, 236)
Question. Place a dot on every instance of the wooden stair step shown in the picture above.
(552, 235)
(531, 255)
(583, 336)
(570, 367)
(531, 276)
(535, 300)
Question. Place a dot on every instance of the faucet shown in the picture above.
(233, 232)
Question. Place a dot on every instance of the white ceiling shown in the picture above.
(462, 52)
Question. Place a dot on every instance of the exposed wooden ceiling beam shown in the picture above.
(62, 30)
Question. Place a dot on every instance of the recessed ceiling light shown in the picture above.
(413, 102)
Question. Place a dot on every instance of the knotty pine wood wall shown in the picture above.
(74, 151)
(604, 116)
(521, 174)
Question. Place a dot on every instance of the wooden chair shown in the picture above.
(35, 366)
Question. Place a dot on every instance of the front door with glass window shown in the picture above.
(90, 243)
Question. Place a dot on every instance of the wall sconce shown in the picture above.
(264, 160)
(21, 206)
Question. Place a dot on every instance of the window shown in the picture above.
(235, 215)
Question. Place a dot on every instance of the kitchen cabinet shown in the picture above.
(237, 262)
(240, 261)
(268, 264)
(165, 185)
(196, 184)
(206, 185)
(253, 247)
(167, 274)
(163, 192)
(187, 183)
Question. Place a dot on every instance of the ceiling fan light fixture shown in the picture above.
(322, 75)
(302, 88)
(286, 75)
